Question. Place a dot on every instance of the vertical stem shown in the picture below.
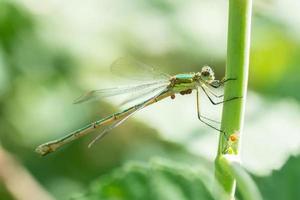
(238, 44)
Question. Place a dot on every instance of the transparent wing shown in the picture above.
(136, 70)
(142, 95)
(119, 122)
(109, 92)
(109, 128)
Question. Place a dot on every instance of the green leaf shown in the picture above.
(245, 183)
(159, 180)
(282, 184)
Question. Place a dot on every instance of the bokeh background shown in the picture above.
(53, 51)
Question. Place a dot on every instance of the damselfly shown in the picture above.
(161, 86)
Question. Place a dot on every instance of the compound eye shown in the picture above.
(205, 73)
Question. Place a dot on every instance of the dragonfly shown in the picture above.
(156, 86)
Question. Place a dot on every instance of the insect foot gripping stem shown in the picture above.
(217, 83)
(231, 99)
(224, 80)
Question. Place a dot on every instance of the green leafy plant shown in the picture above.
(228, 171)
(159, 179)
(165, 180)
(39, 78)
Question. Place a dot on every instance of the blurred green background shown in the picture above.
(53, 51)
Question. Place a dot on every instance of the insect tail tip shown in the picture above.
(91, 144)
(43, 150)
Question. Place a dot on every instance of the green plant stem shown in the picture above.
(238, 44)
(247, 187)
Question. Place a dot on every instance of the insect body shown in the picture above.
(164, 86)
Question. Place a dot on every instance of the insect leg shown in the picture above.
(200, 116)
(220, 102)
(212, 92)
(217, 83)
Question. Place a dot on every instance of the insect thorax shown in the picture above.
(183, 82)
